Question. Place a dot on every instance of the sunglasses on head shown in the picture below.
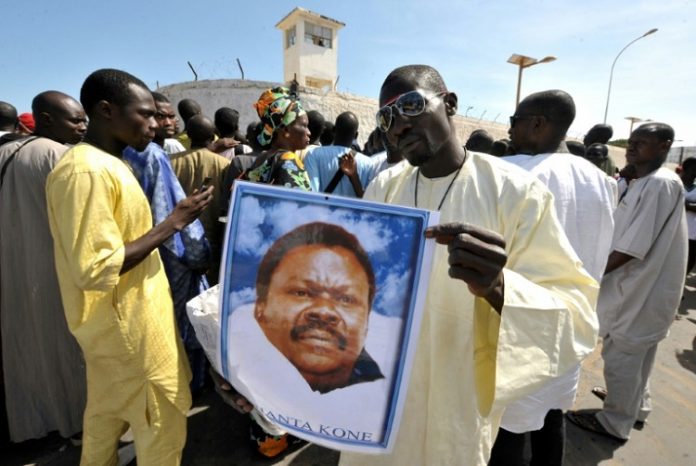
(409, 104)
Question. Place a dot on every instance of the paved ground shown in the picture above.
(217, 434)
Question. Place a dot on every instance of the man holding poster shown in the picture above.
(509, 306)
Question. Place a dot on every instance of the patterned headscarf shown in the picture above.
(276, 108)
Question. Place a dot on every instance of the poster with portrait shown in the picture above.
(320, 306)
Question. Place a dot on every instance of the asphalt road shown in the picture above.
(218, 435)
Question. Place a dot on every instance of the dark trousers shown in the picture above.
(691, 258)
(547, 444)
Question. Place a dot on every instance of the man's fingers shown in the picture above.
(447, 232)
(490, 263)
(468, 248)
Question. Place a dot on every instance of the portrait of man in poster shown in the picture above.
(315, 287)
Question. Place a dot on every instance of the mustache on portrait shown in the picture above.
(297, 332)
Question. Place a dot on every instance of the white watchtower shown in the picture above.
(310, 44)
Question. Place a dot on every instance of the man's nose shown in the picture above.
(323, 310)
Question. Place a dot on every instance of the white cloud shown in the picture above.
(250, 237)
(242, 296)
(392, 294)
(373, 233)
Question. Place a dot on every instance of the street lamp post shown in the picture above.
(633, 120)
(525, 62)
(611, 73)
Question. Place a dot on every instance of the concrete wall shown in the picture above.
(240, 95)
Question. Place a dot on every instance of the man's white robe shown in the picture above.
(471, 361)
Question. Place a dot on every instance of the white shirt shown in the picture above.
(584, 200)
(638, 300)
(173, 146)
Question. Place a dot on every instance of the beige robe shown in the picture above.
(192, 168)
(470, 362)
(44, 370)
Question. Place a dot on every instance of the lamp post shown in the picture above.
(611, 73)
(633, 120)
(525, 62)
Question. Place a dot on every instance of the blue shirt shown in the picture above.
(321, 165)
(186, 254)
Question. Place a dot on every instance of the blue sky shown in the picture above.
(55, 44)
(391, 242)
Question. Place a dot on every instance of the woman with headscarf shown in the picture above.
(285, 130)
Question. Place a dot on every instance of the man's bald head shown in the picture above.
(600, 133)
(188, 108)
(201, 130)
(345, 129)
(660, 131)
(59, 117)
(541, 121)
(480, 141)
(227, 121)
(555, 105)
(8, 117)
(410, 77)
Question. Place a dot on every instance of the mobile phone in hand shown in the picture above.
(206, 183)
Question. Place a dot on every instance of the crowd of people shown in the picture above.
(111, 222)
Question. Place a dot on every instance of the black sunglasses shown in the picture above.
(515, 118)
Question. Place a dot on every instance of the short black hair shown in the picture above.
(689, 164)
(161, 98)
(200, 130)
(110, 85)
(426, 76)
(346, 127)
(603, 149)
(555, 105)
(575, 147)
(226, 120)
(599, 133)
(480, 141)
(500, 148)
(315, 125)
(188, 108)
(8, 115)
(662, 131)
(325, 234)
(327, 134)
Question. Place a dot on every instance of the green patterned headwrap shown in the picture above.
(277, 109)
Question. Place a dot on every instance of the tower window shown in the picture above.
(290, 35)
(318, 35)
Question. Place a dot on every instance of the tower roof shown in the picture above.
(301, 12)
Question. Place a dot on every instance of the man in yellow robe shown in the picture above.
(113, 286)
(509, 306)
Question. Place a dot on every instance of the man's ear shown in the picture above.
(665, 146)
(45, 118)
(104, 109)
(451, 102)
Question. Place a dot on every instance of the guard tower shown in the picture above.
(310, 48)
